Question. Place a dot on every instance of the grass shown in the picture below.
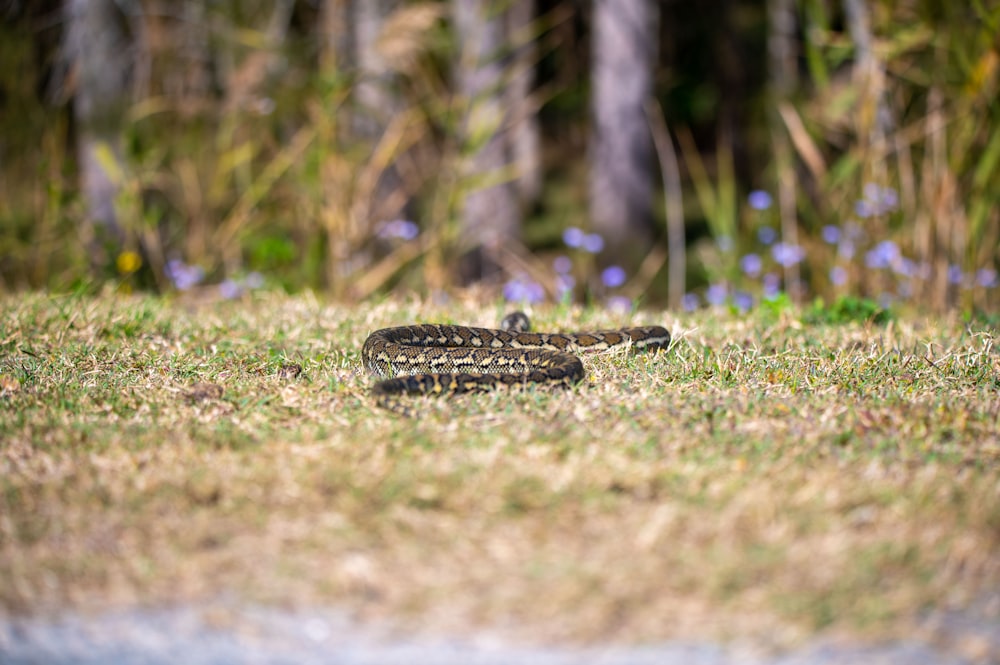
(765, 477)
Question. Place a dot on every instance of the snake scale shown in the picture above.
(446, 359)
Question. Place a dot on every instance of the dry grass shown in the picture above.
(759, 479)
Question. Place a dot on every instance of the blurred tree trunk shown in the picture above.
(875, 118)
(352, 30)
(624, 50)
(732, 73)
(377, 103)
(526, 134)
(871, 115)
(490, 215)
(96, 47)
(782, 73)
(781, 47)
(335, 34)
(373, 90)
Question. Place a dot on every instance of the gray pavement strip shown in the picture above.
(263, 636)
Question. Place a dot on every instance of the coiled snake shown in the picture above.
(447, 359)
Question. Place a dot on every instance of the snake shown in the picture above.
(445, 359)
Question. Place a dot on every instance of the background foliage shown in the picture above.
(868, 168)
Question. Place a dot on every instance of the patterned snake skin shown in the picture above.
(447, 359)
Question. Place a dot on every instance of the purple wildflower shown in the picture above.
(751, 265)
(690, 302)
(593, 243)
(230, 289)
(955, 274)
(401, 229)
(877, 200)
(613, 276)
(743, 301)
(838, 275)
(883, 255)
(716, 294)
(573, 237)
(183, 276)
(562, 264)
(619, 304)
(523, 290)
(885, 198)
(564, 285)
(831, 234)
(864, 208)
(986, 277)
(766, 235)
(904, 267)
(772, 285)
(759, 199)
(890, 197)
(786, 254)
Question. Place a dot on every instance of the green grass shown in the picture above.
(764, 477)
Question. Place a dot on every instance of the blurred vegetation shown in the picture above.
(894, 157)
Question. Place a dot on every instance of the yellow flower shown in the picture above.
(128, 262)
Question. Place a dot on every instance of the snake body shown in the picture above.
(447, 359)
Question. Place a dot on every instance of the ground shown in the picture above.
(771, 476)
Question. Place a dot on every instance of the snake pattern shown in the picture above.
(447, 359)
